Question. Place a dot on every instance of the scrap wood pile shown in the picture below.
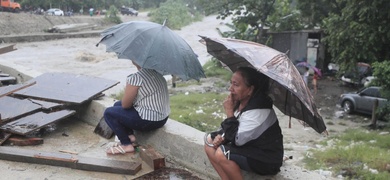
(31, 106)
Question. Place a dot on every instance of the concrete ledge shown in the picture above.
(47, 36)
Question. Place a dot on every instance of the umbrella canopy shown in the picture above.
(287, 88)
(305, 64)
(153, 46)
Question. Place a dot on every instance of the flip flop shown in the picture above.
(117, 150)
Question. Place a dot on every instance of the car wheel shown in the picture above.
(348, 107)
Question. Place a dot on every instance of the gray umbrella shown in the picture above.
(153, 46)
(287, 88)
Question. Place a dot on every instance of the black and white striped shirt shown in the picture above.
(152, 100)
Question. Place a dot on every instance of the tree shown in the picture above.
(285, 18)
(314, 12)
(253, 13)
(359, 33)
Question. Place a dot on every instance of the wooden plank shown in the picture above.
(4, 136)
(103, 129)
(106, 165)
(70, 161)
(66, 87)
(8, 48)
(35, 121)
(153, 158)
(7, 90)
(12, 108)
(24, 141)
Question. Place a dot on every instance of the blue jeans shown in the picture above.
(124, 121)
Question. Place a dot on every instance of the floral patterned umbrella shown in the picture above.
(287, 88)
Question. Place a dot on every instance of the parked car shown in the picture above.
(129, 11)
(362, 101)
(55, 12)
(358, 77)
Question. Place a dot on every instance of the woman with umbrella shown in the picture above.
(144, 107)
(250, 138)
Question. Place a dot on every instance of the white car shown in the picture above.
(55, 12)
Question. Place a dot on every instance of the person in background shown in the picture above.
(305, 76)
(144, 107)
(314, 82)
(250, 138)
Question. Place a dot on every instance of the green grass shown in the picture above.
(202, 111)
(213, 68)
(354, 152)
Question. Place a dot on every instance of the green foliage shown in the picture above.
(112, 15)
(314, 12)
(356, 151)
(382, 78)
(359, 33)
(249, 16)
(285, 18)
(213, 68)
(202, 111)
(176, 13)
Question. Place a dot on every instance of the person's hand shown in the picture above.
(217, 141)
(228, 105)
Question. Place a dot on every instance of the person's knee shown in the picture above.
(108, 113)
(220, 156)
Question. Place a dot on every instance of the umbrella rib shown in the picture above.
(105, 37)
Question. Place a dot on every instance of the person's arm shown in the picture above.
(129, 96)
(131, 90)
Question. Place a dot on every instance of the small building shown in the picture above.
(304, 45)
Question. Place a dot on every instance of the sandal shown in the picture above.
(117, 150)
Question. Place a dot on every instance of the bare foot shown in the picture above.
(120, 149)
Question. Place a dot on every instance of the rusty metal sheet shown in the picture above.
(11, 108)
(66, 87)
(35, 121)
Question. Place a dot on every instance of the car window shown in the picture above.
(373, 92)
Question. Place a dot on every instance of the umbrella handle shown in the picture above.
(206, 142)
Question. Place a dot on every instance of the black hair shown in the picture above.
(254, 78)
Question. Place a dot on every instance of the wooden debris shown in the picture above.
(153, 158)
(25, 141)
(35, 121)
(8, 80)
(8, 48)
(7, 90)
(12, 108)
(70, 161)
(46, 105)
(4, 136)
(103, 129)
(69, 152)
(66, 88)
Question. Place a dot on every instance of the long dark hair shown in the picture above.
(254, 78)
